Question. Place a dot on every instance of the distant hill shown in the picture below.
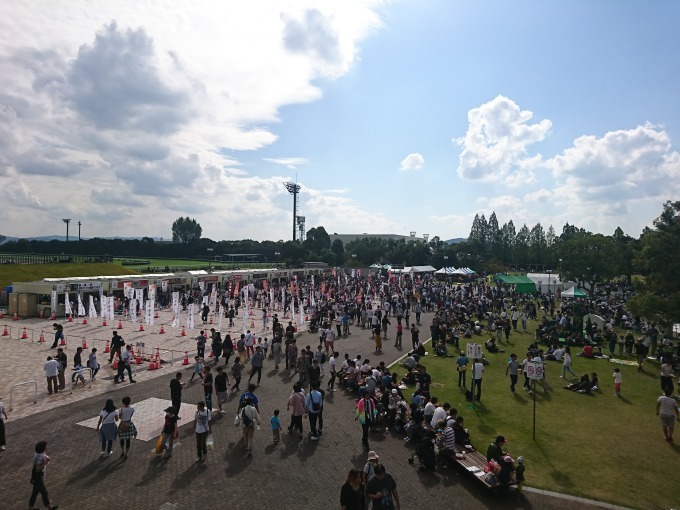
(456, 240)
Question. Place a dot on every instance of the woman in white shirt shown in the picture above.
(126, 428)
(107, 427)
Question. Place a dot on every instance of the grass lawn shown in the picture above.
(593, 446)
(155, 264)
(32, 272)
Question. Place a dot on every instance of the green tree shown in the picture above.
(658, 297)
(477, 237)
(317, 239)
(521, 250)
(537, 244)
(589, 259)
(494, 244)
(185, 230)
(339, 250)
(507, 241)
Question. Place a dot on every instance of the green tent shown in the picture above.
(522, 283)
(574, 293)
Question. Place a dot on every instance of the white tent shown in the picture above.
(549, 281)
(445, 270)
(422, 269)
(574, 293)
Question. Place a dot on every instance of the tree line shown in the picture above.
(575, 254)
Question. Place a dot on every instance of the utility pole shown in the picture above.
(79, 230)
(293, 188)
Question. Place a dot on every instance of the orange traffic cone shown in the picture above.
(141, 327)
(41, 340)
(120, 325)
(62, 343)
(186, 358)
(5, 333)
(84, 321)
(115, 362)
(211, 319)
(107, 349)
(52, 317)
(212, 354)
(84, 344)
(152, 364)
(250, 311)
(24, 336)
(252, 323)
(183, 333)
(158, 358)
(295, 328)
(138, 358)
(103, 322)
(16, 317)
(162, 330)
(70, 318)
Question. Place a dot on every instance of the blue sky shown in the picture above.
(397, 116)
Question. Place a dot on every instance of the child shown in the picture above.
(236, 370)
(198, 368)
(618, 379)
(265, 346)
(276, 426)
(519, 473)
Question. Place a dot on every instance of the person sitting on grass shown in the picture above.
(492, 347)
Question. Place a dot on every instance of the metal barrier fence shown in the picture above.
(11, 392)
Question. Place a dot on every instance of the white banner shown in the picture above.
(67, 305)
(148, 313)
(128, 291)
(201, 285)
(220, 314)
(139, 294)
(190, 318)
(213, 296)
(111, 307)
(81, 308)
(302, 315)
(245, 308)
(53, 302)
(133, 309)
(152, 291)
(175, 310)
(92, 309)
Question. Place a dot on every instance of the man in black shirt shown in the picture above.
(176, 391)
(221, 385)
(63, 362)
(207, 387)
(117, 344)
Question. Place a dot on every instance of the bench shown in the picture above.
(474, 462)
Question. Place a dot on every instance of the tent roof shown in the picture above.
(574, 292)
(422, 269)
(514, 279)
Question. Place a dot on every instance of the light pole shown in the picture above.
(67, 221)
(549, 271)
(79, 230)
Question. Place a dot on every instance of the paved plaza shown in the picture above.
(291, 475)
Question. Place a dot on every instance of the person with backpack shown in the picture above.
(366, 413)
(313, 406)
(249, 418)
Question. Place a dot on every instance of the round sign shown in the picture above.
(530, 371)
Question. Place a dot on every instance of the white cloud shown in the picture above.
(495, 145)
(542, 196)
(143, 105)
(291, 163)
(413, 161)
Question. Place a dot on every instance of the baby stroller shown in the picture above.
(425, 452)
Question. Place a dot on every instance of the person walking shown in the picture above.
(667, 411)
(236, 370)
(106, 427)
(117, 344)
(176, 387)
(566, 363)
(202, 427)
(382, 490)
(365, 412)
(200, 344)
(123, 365)
(297, 402)
(352, 492)
(512, 368)
(313, 405)
(92, 363)
(58, 335)
(207, 384)
(227, 348)
(332, 371)
(276, 353)
(63, 362)
(221, 387)
(477, 373)
(169, 430)
(249, 419)
(40, 462)
(51, 369)
(126, 428)
(256, 363)
(461, 365)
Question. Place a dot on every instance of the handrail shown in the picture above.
(11, 392)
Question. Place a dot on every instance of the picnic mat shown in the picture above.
(628, 362)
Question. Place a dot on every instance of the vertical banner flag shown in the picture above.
(148, 316)
(53, 302)
(110, 306)
(67, 305)
(220, 314)
(175, 309)
(152, 291)
(245, 308)
(133, 309)
(81, 308)
(201, 285)
(139, 293)
(91, 308)
(190, 317)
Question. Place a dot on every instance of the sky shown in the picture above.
(393, 116)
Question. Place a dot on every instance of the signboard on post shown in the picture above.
(474, 351)
(535, 370)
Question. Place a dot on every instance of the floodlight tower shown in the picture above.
(67, 221)
(293, 188)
